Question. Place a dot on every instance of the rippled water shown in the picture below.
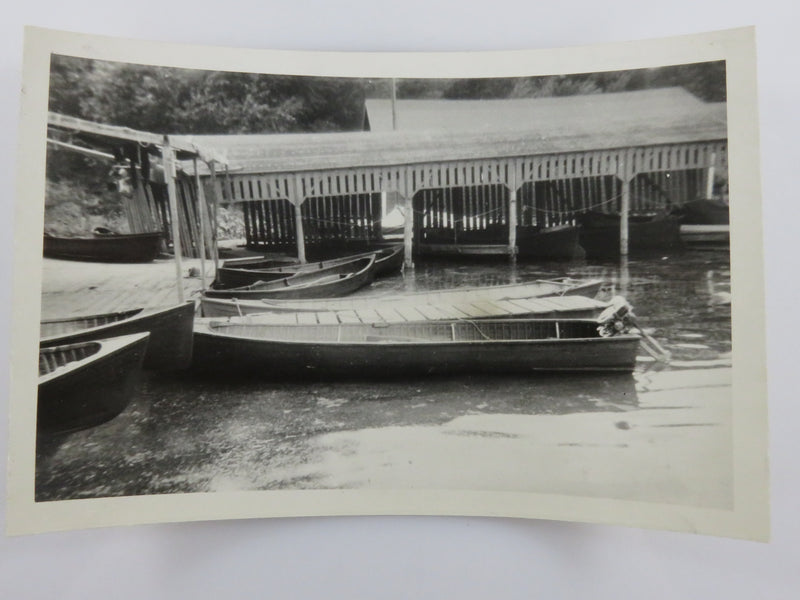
(660, 435)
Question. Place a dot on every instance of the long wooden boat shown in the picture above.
(170, 329)
(228, 307)
(411, 349)
(600, 232)
(330, 282)
(247, 271)
(553, 307)
(116, 248)
(560, 242)
(88, 383)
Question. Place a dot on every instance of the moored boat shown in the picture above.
(87, 383)
(330, 282)
(704, 222)
(554, 307)
(247, 271)
(560, 242)
(445, 347)
(600, 233)
(703, 212)
(225, 307)
(170, 345)
(115, 248)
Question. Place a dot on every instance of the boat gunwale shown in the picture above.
(208, 328)
(107, 348)
(140, 314)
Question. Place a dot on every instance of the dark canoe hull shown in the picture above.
(703, 212)
(329, 282)
(553, 243)
(706, 235)
(244, 272)
(281, 359)
(92, 393)
(170, 346)
(599, 235)
(123, 248)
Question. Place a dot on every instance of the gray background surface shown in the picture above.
(414, 557)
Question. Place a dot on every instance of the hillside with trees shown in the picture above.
(186, 101)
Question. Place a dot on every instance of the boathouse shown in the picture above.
(470, 172)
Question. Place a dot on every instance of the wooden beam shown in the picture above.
(82, 150)
(301, 240)
(172, 198)
(408, 231)
(214, 222)
(115, 133)
(625, 207)
(512, 222)
(200, 196)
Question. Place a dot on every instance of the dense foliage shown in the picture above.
(168, 100)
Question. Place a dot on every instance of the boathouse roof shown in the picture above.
(471, 130)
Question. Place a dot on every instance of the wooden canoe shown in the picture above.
(82, 385)
(358, 350)
(247, 271)
(330, 282)
(170, 329)
(554, 307)
(226, 307)
(116, 248)
(600, 232)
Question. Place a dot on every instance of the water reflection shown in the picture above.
(186, 435)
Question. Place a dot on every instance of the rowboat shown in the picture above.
(492, 346)
(87, 383)
(600, 233)
(330, 282)
(246, 271)
(170, 329)
(117, 248)
(549, 242)
(560, 307)
(225, 307)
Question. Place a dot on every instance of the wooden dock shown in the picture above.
(71, 288)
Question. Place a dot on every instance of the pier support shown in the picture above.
(298, 226)
(512, 223)
(201, 209)
(214, 222)
(625, 209)
(169, 175)
(710, 177)
(408, 231)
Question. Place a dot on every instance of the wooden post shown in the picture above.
(172, 196)
(214, 223)
(710, 177)
(408, 231)
(394, 104)
(512, 222)
(298, 225)
(200, 196)
(624, 213)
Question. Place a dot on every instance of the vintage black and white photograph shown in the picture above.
(270, 282)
